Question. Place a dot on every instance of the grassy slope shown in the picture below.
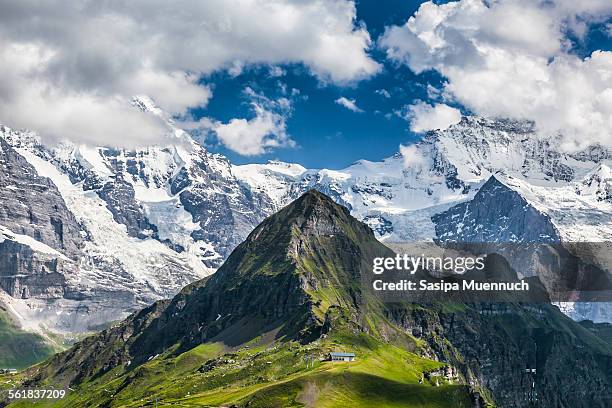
(275, 375)
(20, 349)
(601, 330)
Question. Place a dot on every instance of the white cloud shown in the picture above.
(424, 117)
(254, 136)
(266, 130)
(27, 101)
(413, 159)
(94, 56)
(511, 58)
(349, 104)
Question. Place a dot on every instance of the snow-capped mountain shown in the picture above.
(130, 226)
(399, 195)
(92, 233)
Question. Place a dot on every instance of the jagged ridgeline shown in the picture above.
(255, 333)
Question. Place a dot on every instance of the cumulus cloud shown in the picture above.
(424, 117)
(414, 159)
(267, 129)
(511, 58)
(254, 136)
(63, 59)
(349, 104)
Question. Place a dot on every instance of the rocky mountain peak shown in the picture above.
(497, 214)
(316, 213)
(598, 183)
(310, 227)
(267, 285)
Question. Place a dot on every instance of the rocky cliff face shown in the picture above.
(120, 199)
(40, 239)
(26, 273)
(30, 204)
(224, 209)
(138, 225)
(496, 214)
(518, 353)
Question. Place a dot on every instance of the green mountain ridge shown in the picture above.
(257, 331)
(20, 349)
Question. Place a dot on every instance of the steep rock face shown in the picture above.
(139, 224)
(26, 273)
(489, 145)
(496, 214)
(498, 219)
(224, 209)
(179, 194)
(120, 262)
(499, 343)
(119, 196)
(149, 190)
(31, 205)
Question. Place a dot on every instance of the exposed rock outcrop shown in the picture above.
(30, 204)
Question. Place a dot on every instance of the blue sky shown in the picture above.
(322, 83)
(327, 134)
